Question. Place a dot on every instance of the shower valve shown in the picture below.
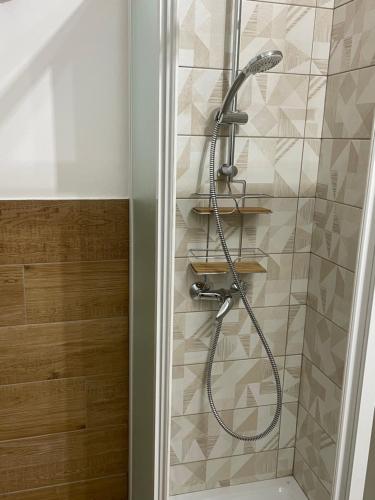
(201, 291)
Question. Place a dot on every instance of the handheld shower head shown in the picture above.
(263, 62)
(259, 64)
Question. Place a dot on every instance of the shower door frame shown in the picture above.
(357, 410)
(153, 35)
(154, 26)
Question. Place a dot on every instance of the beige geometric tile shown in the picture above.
(205, 33)
(222, 472)
(292, 377)
(343, 170)
(285, 462)
(270, 166)
(325, 3)
(192, 164)
(300, 277)
(310, 167)
(336, 232)
(265, 289)
(322, 41)
(235, 384)
(272, 233)
(325, 345)
(296, 329)
(320, 397)
(200, 95)
(330, 290)
(316, 447)
(288, 425)
(353, 39)
(276, 104)
(307, 3)
(238, 340)
(338, 3)
(350, 105)
(304, 227)
(268, 26)
(191, 228)
(199, 437)
(315, 106)
(308, 481)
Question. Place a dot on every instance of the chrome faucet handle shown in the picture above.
(201, 291)
(225, 308)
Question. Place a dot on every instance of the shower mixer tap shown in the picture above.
(225, 296)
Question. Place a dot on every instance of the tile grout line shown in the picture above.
(310, 469)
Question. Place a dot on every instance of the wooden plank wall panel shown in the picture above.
(108, 488)
(63, 350)
(63, 231)
(12, 305)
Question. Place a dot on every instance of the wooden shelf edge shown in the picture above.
(223, 268)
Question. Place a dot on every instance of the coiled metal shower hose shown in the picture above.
(237, 282)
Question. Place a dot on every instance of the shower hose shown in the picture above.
(237, 282)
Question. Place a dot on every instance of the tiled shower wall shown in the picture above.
(278, 154)
(338, 212)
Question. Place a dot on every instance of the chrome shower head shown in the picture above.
(259, 64)
(263, 62)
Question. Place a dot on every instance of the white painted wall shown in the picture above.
(64, 99)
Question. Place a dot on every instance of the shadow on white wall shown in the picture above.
(63, 99)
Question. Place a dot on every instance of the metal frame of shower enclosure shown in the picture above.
(153, 55)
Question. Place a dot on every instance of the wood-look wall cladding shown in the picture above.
(63, 350)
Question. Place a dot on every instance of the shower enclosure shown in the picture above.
(293, 217)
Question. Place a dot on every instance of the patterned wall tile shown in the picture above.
(200, 95)
(199, 437)
(300, 276)
(330, 290)
(316, 447)
(350, 105)
(205, 33)
(310, 167)
(235, 384)
(292, 375)
(270, 166)
(288, 425)
(322, 41)
(353, 38)
(343, 170)
(338, 3)
(221, 472)
(325, 3)
(320, 397)
(307, 3)
(315, 106)
(336, 232)
(304, 226)
(191, 228)
(308, 481)
(296, 329)
(272, 233)
(239, 340)
(266, 289)
(285, 460)
(268, 26)
(325, 345)
(276, 104)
